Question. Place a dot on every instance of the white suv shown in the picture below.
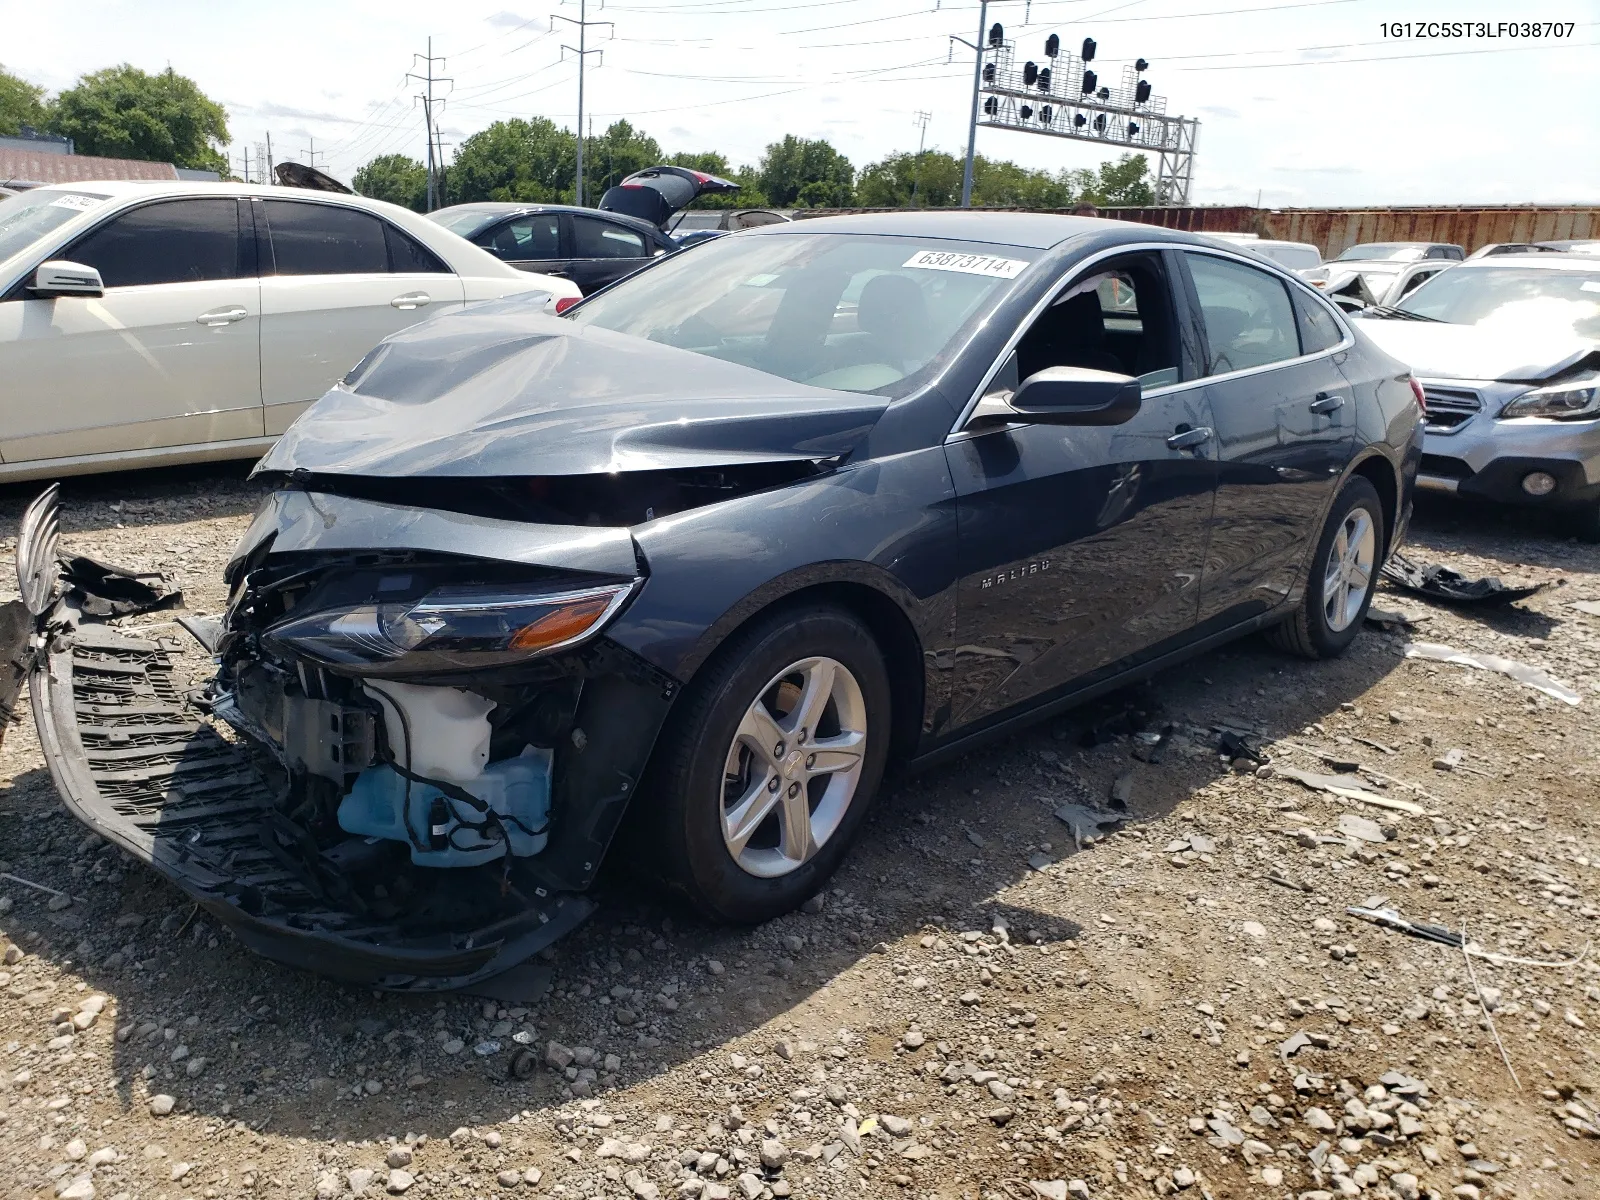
(151, 323)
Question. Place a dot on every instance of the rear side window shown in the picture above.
(1248, 318)
(537, 235)
(1318, 329)
(601, 239)
(175, 241)
(409, 256)
(324, 239)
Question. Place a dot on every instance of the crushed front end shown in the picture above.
(414, 752)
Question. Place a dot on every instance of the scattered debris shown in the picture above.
(1234, 745)
(1086, 824)
(1592, 607)
(1521, 672)
(1488, 1009)
(1391, 919)
(101, 590)
(1348, 786)
(1387, 620)
(1441, 583)
(1363, 828)
(1449, 760)
(1284, 881)
(30, 883)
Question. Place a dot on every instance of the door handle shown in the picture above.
(1188, 439)
(1327, 402)
(221, 316)
(410, 300)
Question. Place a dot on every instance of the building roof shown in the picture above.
(34, 166)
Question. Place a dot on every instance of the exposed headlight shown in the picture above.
(448, 629)
(1575, 400)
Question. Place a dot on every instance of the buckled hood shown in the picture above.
(1437, 350)
(499, 390)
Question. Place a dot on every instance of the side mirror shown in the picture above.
(58, 277)
(1077, 396)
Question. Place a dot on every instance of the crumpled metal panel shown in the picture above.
(498, 390)
(299, 520)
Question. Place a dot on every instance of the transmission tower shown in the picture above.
(582, 51)
(921, 120)
(430, 106)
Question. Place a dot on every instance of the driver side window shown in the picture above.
(1116, 316)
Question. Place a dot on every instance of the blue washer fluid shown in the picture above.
(518, 788)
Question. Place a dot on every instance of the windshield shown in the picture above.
(1294, 257)
(26, 218)
(1513, 299)
(852, 312)
(1398, 251)
(465, 221)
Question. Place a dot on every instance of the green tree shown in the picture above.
(21, 103)
(890, 182)
(396, 178)
(1124, 182)
(615, 155)
(122, 112)
(805, 173)
(516, 160)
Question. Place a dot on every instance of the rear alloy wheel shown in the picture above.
(1341, 579)
(769, 764)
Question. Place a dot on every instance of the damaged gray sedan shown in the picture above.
(690, 567)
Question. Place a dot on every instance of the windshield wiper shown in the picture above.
(1399, 314)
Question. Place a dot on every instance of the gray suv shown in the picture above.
(1508, 353)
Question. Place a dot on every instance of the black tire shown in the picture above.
(1307, 632)
(680, 839)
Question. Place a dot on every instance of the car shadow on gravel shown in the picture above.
(294, 1053)
(158, 496)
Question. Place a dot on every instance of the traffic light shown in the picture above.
(988, 72)
(1090, 82)
(1044, 80)
(1052, 46)
(1088, 49)
(991, 105)
(997, 34)
(1030, 74)
(1142, 92)
(1100, 123)
(1026, 112)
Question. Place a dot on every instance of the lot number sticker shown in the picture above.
(967, 264)
(74, 200)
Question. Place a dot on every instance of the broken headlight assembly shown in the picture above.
(450, 628)
(1575, 400)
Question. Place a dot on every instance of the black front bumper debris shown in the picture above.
(138, 764)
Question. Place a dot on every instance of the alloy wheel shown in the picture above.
(1348, 576)
(793, 767)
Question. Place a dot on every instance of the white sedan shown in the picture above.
(143, 324)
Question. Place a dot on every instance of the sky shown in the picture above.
(1309, 103)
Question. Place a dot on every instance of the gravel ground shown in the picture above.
(977, 1008)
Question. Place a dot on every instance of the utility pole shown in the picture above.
(311, 153)
(977, 82)
(582, 51)
(428, 107)
(247, 164)
(271, 166)
(922, 119)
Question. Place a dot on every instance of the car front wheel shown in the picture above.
(1342, 576)
(770, 764)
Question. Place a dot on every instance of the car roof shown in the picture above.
(510, 207)
(1035, 230)
(1559, 261)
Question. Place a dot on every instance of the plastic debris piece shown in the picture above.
(102, 590)
(1390, 919)
(1441, 583)
(1348, 786)
(1362, 828)
(1086, 822)
(1592, 607)
(1521, 672)
(1233, 745)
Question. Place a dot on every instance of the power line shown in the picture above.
(582, 51)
